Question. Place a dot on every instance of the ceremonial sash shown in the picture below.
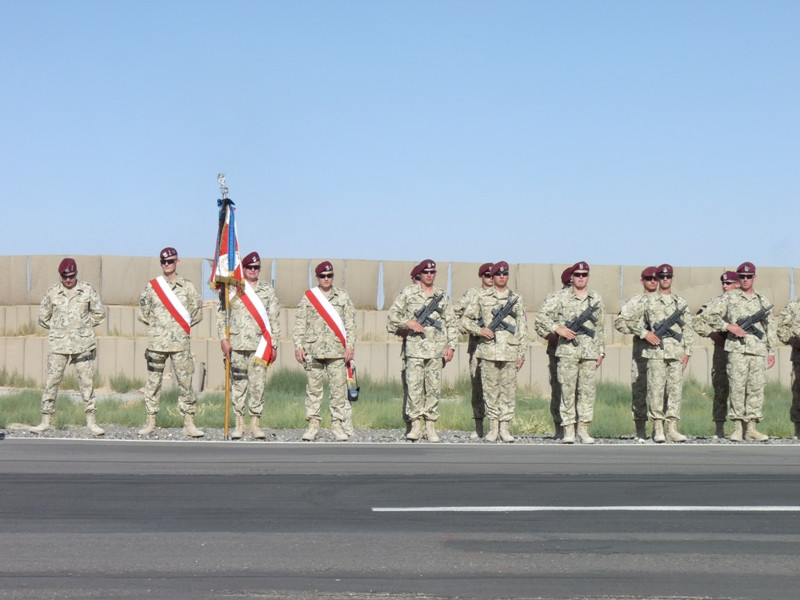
(330, 316)
(254, 305)
(172, 302)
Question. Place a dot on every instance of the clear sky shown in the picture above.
(635, 132)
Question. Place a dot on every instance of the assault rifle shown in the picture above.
(424, 316)
(500, 314)
(578, 324)
(664, 328)
(749, 323)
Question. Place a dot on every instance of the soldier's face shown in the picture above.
(169, 265)
(746, 281)
(69, 280)
(251, 272)
(650, 283)
(325, 281)
(580, 279)
(428, 275)
(664, 281)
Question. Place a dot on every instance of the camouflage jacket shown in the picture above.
(458, 310)
(735, 305)
(659, 307)
(71, 316)
(700, 320)
(245, 332)
(505, 346)
(565, 305)
(628, 319)
(436, 341)
(313, 335)
(788, 328)
(164, 334)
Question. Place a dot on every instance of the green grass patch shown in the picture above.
(15, 380)
(122, 384)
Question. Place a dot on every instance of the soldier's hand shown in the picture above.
(685, 361)
(566, 333)
(520, 362)
(736, 330)
(349, 353)
(448, 355)
(652, 338)
(226, 348)
(300, 355)
(770, 361)
(486, 333)
(414, 326)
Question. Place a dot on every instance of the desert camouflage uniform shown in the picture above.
(627, 322)
(747, 368)
(576, 364)
(247, 374)
(664, 365)
(719, 362)
(498, 357)
(325, 353)
(424, 356)
(478, 405)
(552, 363)
(788, 331)
(166, 339)
(71, 316)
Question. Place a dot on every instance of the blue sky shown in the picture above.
(612, 132)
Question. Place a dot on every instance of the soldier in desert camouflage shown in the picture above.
(324, 337)
(428, 346)
(250, 349)
(788, 330)
(170, 306)
(70, 310)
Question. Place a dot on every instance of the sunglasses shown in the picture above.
(168, 261)
(68, 276)
(325, 275)
(253, 267)
(501, 274)
(745, 276)
(649, 278)
(729, 282)
(429, 272)
(664, 276)
(581, 275)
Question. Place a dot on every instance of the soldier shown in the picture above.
(789, 333)
(425, 313)
(70, 310)
(745, 317)
(324, 339)
(552, 361)
(666, 327)
(403, 335)
(170, 306)
(252, 346)
(577, 317)
(478, 406)
(497, 318)
(719, 360)
(627, 322)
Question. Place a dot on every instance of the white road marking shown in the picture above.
(656, 508)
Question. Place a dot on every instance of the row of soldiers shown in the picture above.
(324, 336)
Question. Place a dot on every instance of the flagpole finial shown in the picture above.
(223, 189)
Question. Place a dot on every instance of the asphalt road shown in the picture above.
(104, 519)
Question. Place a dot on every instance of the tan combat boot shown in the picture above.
(255, 427)
(190, 429)
(569, 434)
(658, 432)
(149, 426)
(338, 431)
(416, 430)
(91, 425)
(238, 430)
(47, 419)
(583, 434)
(494, 431)
(478, 433)
(751, 433)
(505, 435)
(641, 430)
(430, 432)
(737, 433)
(313, 430)
(719, 430)
(673, 435)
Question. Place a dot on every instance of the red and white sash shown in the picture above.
(331, 317)
(254, 305)
(172, 302)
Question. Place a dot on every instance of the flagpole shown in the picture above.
(224, 193)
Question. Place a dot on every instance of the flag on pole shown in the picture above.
(227, 263)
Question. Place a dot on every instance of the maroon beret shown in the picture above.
(323, 267)
(746, 267)
(729, 276)
(251, 259)
(67, 266)
(427, 264)
(649, 272)
(580, 266)
(485, 269)
(566, 276)
(167, 253)
(499, 266)
(664, 269)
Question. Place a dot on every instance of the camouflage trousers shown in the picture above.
(719, 379)
(747, 378)
(478, 404)
(499, 388)
(578, 390)
(335, 371)
(248, 380)
(555, 387)
(84, 369)
(182, 366)
(794, 412)
(424, 380)
(664, 389)
(639, 389)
